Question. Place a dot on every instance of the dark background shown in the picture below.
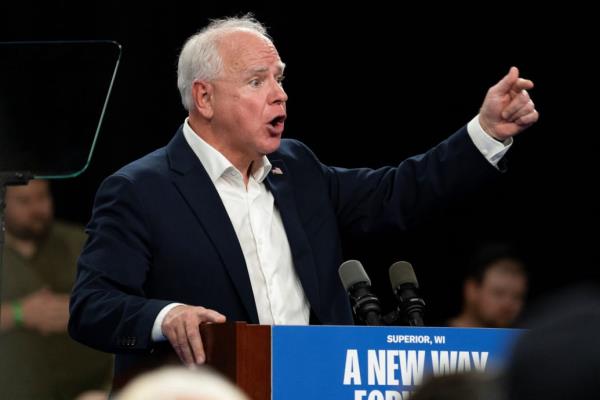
(370, 85)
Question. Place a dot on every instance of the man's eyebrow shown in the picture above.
(257, 70)
(281, 67)
(263, 69)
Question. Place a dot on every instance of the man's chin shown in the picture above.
(36, 234)
(272, 146)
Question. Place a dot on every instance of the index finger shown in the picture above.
(521, 84)
(507, 82)
(208, 315)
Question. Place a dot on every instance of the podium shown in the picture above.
(242, 352)
(348, 362)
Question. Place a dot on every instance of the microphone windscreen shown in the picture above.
(352, 272)
(402, 272)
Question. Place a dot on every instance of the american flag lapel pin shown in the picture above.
(277, 171)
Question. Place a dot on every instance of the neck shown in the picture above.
(465, 320)
(26, 248)
(239, 160)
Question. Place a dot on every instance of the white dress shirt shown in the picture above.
(279, 297)
(278, 293)
(491, 149)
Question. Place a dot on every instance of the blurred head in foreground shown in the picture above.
(179, 383)
(462, 386)
(559, 357)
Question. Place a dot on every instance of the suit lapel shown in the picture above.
(279, 183)
(199, 192)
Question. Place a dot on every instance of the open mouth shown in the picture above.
(277, 121)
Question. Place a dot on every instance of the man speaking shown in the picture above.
(229, 221)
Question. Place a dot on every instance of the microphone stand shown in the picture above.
(392, 318)
(395, 318)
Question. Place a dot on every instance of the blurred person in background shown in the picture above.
(38, 359)
(494, 290)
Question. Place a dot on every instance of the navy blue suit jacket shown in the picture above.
(159, 233)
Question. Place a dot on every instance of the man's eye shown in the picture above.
(280, 79)
(255, 82)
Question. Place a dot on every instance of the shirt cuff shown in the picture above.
(491, 149)
(157, 335)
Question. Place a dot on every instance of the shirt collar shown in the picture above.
(215, 163)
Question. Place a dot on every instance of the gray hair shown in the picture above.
(200, 59)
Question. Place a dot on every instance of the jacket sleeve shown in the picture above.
(109, 310)
(398, 198)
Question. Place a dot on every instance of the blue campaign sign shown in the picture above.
(376, 363)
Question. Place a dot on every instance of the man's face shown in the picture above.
(499, 298)
(29, 210)
(249, 102)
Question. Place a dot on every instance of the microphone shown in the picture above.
(358, 285)
(406, 288)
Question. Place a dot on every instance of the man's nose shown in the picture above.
(279, 95)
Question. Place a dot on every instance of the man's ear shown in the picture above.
(202, 94)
